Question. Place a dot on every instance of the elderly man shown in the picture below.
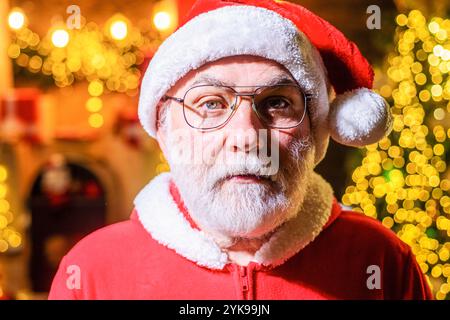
(239, 101)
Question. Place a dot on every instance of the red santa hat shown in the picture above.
(315, 53)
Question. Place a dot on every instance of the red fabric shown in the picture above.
(25, 102)
(122, 261)
(347, 67)
(183, 7)
(23, 105)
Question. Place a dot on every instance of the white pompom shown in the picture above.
(359, 117)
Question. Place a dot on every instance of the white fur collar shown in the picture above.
(160, 216)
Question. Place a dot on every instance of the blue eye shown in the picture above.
(213, 105)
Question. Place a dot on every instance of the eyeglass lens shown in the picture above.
(280, 106)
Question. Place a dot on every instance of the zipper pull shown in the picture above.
(243, 271)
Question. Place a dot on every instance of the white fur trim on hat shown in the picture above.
(225, 32)
(359, 117)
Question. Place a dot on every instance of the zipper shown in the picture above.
(244, 281)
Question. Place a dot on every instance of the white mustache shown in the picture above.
(249, 165)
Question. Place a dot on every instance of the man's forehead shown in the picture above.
(218, 80)
(239, 70)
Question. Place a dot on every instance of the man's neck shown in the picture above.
(241, 250)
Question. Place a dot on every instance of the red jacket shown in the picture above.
(160, 254)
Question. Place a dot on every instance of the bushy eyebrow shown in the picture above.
(211, 80)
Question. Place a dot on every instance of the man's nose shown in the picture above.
(243, 128)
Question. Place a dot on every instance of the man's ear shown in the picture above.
(161, 133)
(161, 138)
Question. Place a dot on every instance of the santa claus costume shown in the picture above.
(324, 252)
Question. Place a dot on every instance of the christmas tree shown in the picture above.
(403, 180)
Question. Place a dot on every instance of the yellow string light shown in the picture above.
(162, 20)
(409, 193)
(9, 237)
(16, 19)
(85, 54)
(67, 56)
(119, 30)
(60, 38)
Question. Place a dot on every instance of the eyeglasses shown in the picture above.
(208, 107)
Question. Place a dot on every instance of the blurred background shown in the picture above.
(73, 155)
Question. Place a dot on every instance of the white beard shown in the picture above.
(233, 211)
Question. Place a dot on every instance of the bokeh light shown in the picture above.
(403, 180)
(119, 30)
(94, 104)
(9, 237)
(96, 120)
(162, 20)
(60, 38)
(16, 19)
